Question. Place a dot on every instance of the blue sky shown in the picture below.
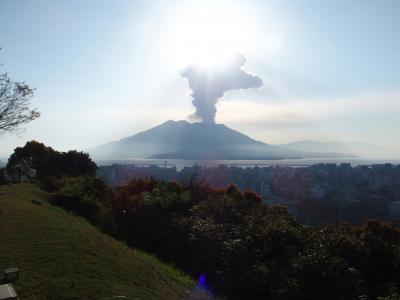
(104, 70)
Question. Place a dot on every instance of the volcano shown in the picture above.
(196, 141)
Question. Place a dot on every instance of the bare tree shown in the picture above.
(14, 104)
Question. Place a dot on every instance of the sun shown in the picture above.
(207, 36)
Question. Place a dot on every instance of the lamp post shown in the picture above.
(7, 291)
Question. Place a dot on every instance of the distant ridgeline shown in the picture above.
(319, 194)
(198, 141)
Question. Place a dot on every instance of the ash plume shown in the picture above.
(209, 85)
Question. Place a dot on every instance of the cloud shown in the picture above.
(209, 85)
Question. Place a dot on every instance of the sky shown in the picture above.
(104, 70)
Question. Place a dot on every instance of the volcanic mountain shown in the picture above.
(195, 141)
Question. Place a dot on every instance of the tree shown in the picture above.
(34, 151)
(15, 99)
(71, 163)
(33, 155)
(48, 162)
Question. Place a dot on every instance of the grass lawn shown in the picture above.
(62, 256)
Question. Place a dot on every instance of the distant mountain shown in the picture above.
(354, 148)
(195, 141)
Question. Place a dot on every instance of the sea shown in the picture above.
(181, 163)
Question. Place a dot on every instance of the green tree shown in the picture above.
(85, 195)
(50, 163)
(71, 163)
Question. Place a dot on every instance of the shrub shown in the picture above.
(84, 195)
(245, 249)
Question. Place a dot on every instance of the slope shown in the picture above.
(61, 256)
(193, 141)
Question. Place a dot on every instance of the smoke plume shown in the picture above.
(209, 85)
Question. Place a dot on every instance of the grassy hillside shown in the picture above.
(61, 256)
